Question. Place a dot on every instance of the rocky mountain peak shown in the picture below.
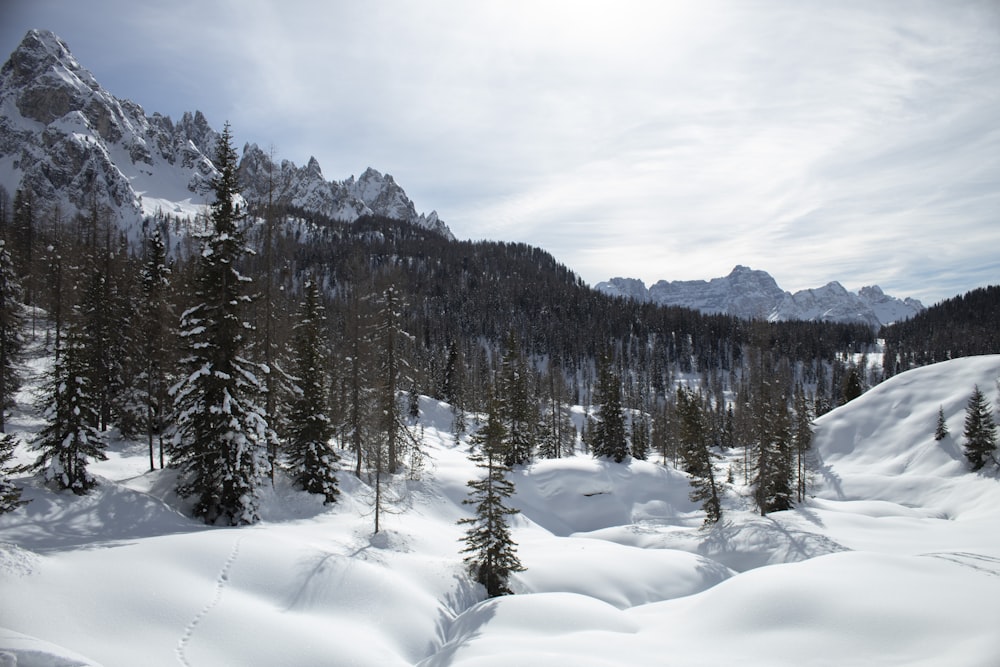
(68, 140)
(754, 294)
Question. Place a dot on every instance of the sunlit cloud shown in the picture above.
(836, 141)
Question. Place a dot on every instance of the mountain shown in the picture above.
(754, 294)
(70, 143)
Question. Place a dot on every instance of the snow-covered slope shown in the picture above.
(67, 139)
(750, 293)
(895, 561)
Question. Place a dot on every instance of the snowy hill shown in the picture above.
(750, 293)
(895, 560)
(65, 138)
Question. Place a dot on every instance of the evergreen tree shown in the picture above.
(640, 437)
(11, 339)
(980, 431)
(608, 437)
(802, 439)
(10, 495)
(492, 552)
(71, 438)
(515, 408)
(852, 386)
(310, 457)
(695, 453)
(222, 432)
(941, 430)
(154, 350)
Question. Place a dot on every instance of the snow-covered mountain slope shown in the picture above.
(895, 561)
(754, 294)
(68, 140)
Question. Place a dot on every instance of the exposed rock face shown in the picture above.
(754, 294)
(73, 145)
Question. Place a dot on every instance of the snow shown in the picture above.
(894, 561)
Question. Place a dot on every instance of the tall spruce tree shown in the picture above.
(311, 458)
(71, 437)
(492, 551)
(608, 438)
(516, 410)
(694, 446)
(980, 431)
(222, 431)
(156, 325)
(11, 336)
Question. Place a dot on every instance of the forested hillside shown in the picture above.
(399, 308)
(963, 326)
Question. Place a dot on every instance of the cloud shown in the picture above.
(848, 141)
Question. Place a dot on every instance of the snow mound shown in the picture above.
(881, 445)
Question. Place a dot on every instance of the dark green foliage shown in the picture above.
(71, 437)
(516, 410)
(492, 551)
(962, 326)
(941, 430)
(640, 437)
(10, 495)
(980, 431)
(802, 439)
(311, 459)
(608, 437)
(695, 453)
(852, 386)
(222, 432)
(11, 337)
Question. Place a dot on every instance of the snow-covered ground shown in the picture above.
(895, 560)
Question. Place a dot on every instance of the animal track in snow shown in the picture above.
(220, 585)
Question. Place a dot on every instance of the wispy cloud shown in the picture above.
(855, 141)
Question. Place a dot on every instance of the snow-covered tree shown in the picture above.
(608, 437)
(10, 494)
(11, 339)
(156, 324)
(802, 438)
(222, 432)
(71, 437)
(311, 459)
(516, 410)
(695, 453)
(980, 431)
(492, 551)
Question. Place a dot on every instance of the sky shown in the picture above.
(849, 141)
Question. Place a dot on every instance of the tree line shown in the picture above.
(260, 337)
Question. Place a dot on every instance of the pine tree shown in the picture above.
(941, 430)
(222, 432)
(154, 351)
(694, 446)
(802, 438)
(10, 494)
(492, 551)
(640, 437)
(608, 438)
(11, 339)
(72, 438)
(980, 431)
(516, 410)
(310, 457)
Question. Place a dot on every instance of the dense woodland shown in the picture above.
(963, 326)
(262, 336)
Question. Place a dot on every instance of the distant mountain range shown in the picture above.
(72, 143)
(754, 294)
